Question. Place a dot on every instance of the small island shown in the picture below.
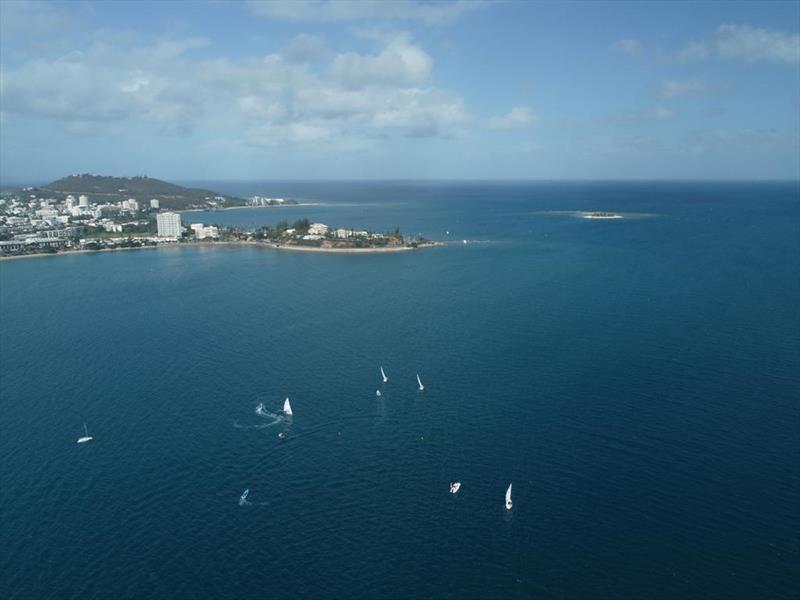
(599, 215)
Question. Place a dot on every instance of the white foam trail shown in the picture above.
(274, 419)
(246, 502)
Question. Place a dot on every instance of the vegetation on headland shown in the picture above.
(64, 217)
(302, 234)
(115, 189)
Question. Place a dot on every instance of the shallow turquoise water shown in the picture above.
(636, 380)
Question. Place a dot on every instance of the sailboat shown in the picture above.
(378, 393)
(454, 487)
(421, 387)
(385, 378)
(243, 498)
(287, 408)
(508, 497)
(86, 437)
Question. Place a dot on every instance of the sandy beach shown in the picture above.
(265, 245)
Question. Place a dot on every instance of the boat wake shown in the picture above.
(243, 501)
(270, 417)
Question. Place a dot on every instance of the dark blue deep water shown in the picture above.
(637, 380)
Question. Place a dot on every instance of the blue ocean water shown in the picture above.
(637, 380)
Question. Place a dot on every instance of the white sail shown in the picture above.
(86, 437)
(508, 497)
(287, 408)
(385, 378)
(421, 387)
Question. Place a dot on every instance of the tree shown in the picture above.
(302, 225)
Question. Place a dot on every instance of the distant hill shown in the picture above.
(142, 188)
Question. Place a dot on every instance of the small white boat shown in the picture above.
(454, 487)
(86, 437)
(378, 393)
(243, 498)
(383, 375)
(281, 436)
(287, 408)
(508, 497)
(421, 387)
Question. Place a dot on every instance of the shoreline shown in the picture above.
(188, 210)
(265, 245)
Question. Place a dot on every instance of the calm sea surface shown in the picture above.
(637, 380)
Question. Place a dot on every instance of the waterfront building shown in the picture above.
(317, 229)
(202, 231)
(169, 224)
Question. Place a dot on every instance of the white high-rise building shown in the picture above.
(154, 203)
(70, 202)
(169, 224)
(83, 201)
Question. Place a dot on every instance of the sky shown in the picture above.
(407, 89)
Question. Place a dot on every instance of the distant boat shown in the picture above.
(454, 487)
(281, 436)
(287, 408)
(378, 393)
(385, 378)
(508, 497)
(85, 438)
(421, 387)
(243, 498)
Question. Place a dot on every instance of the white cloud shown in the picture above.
(351, 99)
(428, 12)
(400, 61)
(519, 116)
(676, 88)
(304, 48)
(751, 44)
(28, 18)
(629, 46)
(742, 42)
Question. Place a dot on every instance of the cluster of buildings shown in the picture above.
(263, 201)
(320, 231)
(30, 223)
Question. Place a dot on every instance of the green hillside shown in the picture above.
(112, 189)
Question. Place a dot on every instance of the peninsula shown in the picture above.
(32, 225)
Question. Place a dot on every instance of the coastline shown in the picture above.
(189, 210)
(264, 245)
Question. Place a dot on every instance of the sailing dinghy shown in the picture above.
(85, 438)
